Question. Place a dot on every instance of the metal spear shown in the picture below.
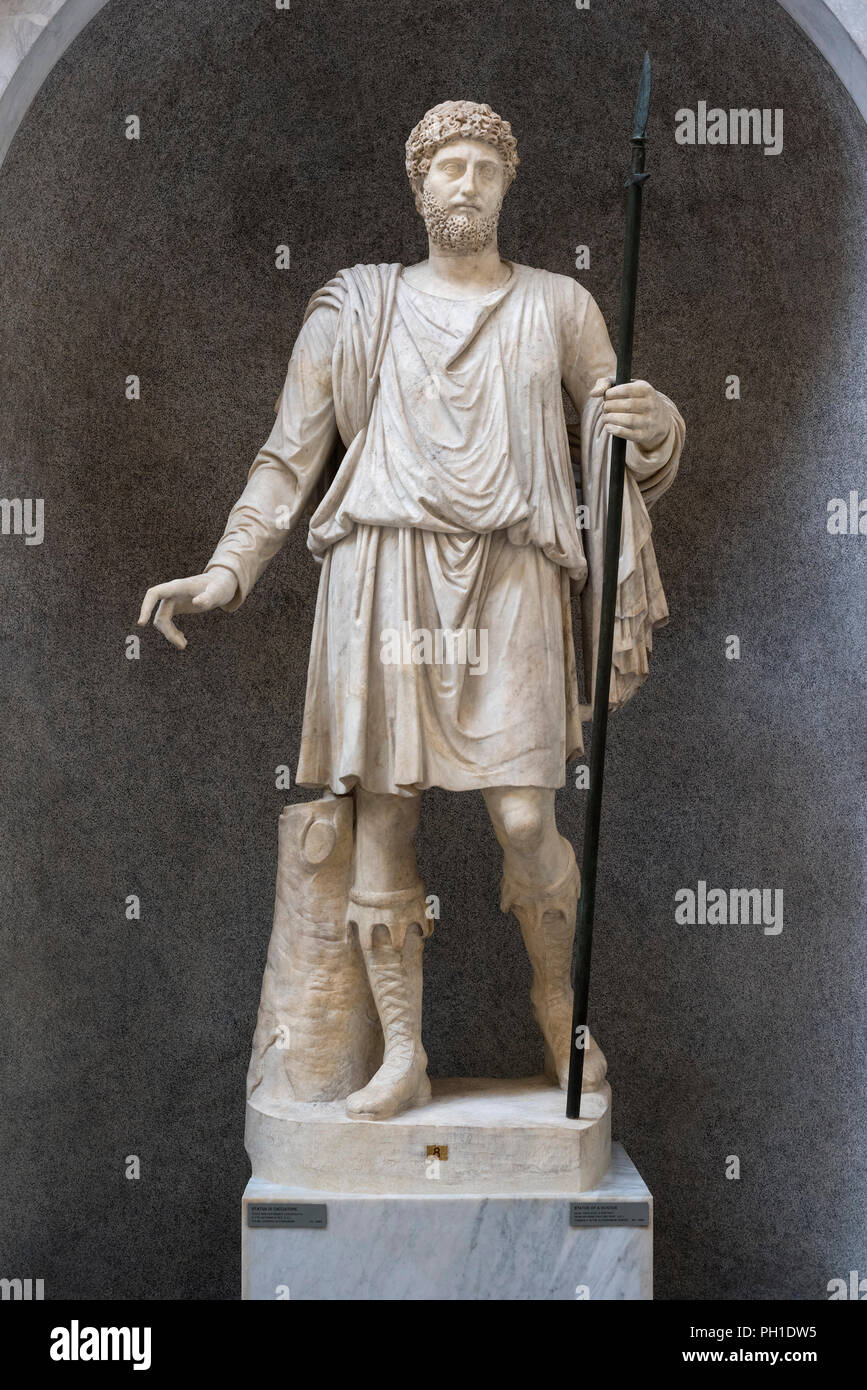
(584, 929)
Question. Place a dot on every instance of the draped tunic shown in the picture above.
(453, 511)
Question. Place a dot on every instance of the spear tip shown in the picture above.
(642, 105)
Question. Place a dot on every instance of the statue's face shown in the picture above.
(466, 177)
(462, 196)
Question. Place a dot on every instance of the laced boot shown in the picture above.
(391, 929)
(547, 918)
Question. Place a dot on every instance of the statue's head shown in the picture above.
(461, 159)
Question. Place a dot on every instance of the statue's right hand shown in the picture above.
(198, 594)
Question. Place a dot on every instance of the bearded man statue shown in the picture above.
(451, 544)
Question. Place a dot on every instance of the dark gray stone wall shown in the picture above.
(156, 776)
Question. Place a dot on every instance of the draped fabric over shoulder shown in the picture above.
(442, 651)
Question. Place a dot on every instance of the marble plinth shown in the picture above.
(447, 1246)
(503, 1136)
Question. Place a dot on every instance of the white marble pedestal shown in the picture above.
(502, 1136)
(447, 1245)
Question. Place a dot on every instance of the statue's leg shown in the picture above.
(541, 885)
(387, 909)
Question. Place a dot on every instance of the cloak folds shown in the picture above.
(452, 510)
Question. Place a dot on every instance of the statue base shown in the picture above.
(487, 1192)
(303, 1243)
(501, 1136)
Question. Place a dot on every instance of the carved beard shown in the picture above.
(455, 231)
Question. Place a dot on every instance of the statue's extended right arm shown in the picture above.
(279, 483)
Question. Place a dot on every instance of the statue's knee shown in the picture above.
(524, 829)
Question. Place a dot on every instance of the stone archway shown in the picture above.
(838, 28)
(33, 35)
(32, 39)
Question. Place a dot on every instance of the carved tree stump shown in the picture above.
(317, 1034)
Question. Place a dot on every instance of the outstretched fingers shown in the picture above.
(150, 601)
(164, 624)
(170, 598)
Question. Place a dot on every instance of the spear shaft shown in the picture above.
(586, 906)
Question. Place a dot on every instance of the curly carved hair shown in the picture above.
(458, 120)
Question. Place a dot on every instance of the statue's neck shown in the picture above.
(463, 276)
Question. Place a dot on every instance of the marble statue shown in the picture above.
(422, 417)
